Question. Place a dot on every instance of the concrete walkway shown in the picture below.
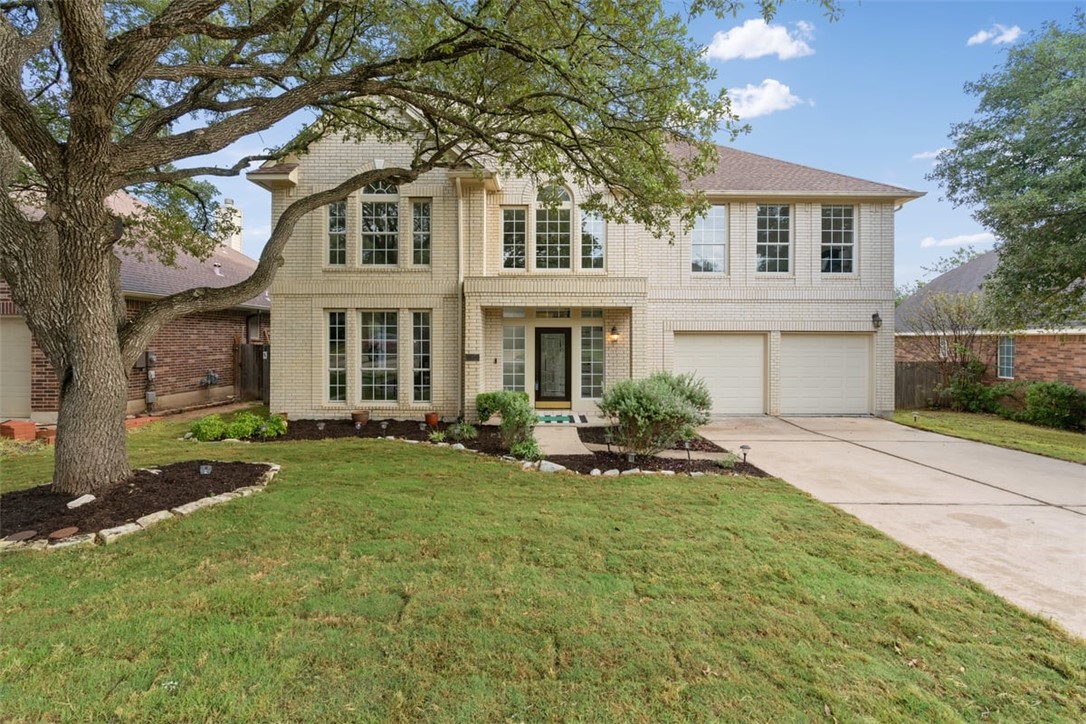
(559, 440)
(1012, 521)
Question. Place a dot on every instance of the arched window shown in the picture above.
(553, 229)
(379, 220)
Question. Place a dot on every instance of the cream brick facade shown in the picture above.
(646, 290)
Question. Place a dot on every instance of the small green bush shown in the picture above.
(652, 414)
(437, 436)
(462, 431)
(243, 426)
(209, 428)
(728, 462)
(1054, 404)
(518, 417)
(488, 403)
(526, 450)
(274, 426)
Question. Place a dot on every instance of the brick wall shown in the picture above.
(1037, 357)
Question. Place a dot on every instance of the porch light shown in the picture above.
(612, 336)
(876, 320)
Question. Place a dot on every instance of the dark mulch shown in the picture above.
(42, 510)
(598, 436)
(488, 441)
(617, 461)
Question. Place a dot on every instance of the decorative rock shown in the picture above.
(230, 439)
(75, 540)
(697, 474)
(596, 471)
(548, 467)
(187, 436)
(443, 444)
(190, 508)
(249, 490)
(526, 465)
(81, 500)
(35, 545)
(21, 536)
(222, 498)
(63, 533)
(154, 471)
(109, 535)
(457, 446)
(410, 441)
(612, 473)
(151, 518)
(665, 472)
(632, 471)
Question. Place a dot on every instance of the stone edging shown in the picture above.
(111, 535)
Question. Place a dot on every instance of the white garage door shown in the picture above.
(14, 368)
(733, 365)
(825, 374)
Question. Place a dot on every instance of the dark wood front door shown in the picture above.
(553, 367)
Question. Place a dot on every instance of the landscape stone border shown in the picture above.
(111, 535)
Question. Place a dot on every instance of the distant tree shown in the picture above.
(952, 330)
(955, 259)
(1021, 166)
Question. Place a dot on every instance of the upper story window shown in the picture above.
(514, 238)
(379, 221)
(421, 232)
(838, 240)
(709, 241)
(593, 229)
(553, 229)
(1005, 359)
(337, 233)
(773, 248)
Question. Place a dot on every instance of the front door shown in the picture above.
(552, 367)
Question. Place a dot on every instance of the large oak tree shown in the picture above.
(99, 97)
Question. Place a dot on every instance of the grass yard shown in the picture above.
(381, 581)
(995, 430)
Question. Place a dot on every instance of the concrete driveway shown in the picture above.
(1012, 521)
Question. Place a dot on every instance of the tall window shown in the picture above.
(379, 355)
(420, 359)
(838, 240)
(708, 241)
(514, 238)
(337, 233)
(420, 232)
(337, 356)
(553, 229)
(591, 361)
(1005, 359)
(592, 240)
(380, 223)
(774, 237)
(513, 358)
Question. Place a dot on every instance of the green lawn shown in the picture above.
(995, 430)
(381, 581)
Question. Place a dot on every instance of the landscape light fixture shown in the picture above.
(745, 449)
(205, 469)
(876, 320)
(358, 426)
(320, 425)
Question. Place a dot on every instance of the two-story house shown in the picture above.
(410, 299)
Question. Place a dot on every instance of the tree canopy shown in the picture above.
(1021, 166)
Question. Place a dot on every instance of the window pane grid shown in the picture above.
(838, 239)
(337, 233)
(591, 361)
(513, 356)
(420, 365)
(553, 239)
(592, 241)
(380, 228)
(379, 356)
(337, 356)
(420, 232)
(514, 238)
(774, 237)
(1005, 361)
(708, 241)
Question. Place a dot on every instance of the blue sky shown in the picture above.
(869, 95)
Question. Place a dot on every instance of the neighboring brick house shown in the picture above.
(186, 349)
(1043, 355)
(410, 299)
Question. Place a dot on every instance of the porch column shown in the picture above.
(472, 364)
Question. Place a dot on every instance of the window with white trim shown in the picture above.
(593, 232)
(553, 229)
(421, 232)
(421, 357)
(513, 355)
(514, 238)
(838, 239)
(592, 362)
(337, 356)
(379, 221)
(774, 236)
(337, 233)
(1005, 359)
(378, 330)
(709, 241)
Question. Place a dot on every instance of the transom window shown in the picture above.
(337, 356)
(593, 229)
(708, 241)
(513, 358)
(553, 229)
(545, 313)
(420, 358)
(838, 240)
(337, 233)
(420, 232)
(591, 361)
(1005, 360)
(514, 238)
(379, 355)
(380, 224)
(774, 238)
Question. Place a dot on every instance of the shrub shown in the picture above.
(208, 428)
(274, 426)
(518, 419)
(487, 403)
(462, 431)
(654, 413)
(437, 436)
(526, 450)
(1054, 404)
(243, 426)
(728, 462)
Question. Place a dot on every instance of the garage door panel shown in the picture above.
(825, 374)
(14, 368)
(732, 365)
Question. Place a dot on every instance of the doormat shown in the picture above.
(562, 419)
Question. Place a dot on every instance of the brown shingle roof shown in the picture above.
(152, 278)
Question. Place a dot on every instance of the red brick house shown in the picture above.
(195, 358)
(1043, 355)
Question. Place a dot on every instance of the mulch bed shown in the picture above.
(598, 436)
(617, 461)
(42, 510)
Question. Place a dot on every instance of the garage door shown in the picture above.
(825, 374)
(14, 368)
(733, 365)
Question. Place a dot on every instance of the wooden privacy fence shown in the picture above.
(915, 384)
(254, 372)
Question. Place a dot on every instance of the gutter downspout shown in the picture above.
(461, 317)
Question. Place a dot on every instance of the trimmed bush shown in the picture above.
(652, 414)
(488, 403)
(1054, 404)
(245, 425)
(209, 428)
(274, 426)
(518, 419)
(526, 450)
(461, 432)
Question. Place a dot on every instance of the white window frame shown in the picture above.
(838, 242)
(768, 215)
(553, 230)
(1005, 360)
(593, 235)
(710, 234)
(422, 356)
(379, 202)
(592, 370)
(422, 231)
(336, 359)
(514, 238)
(337, 233)
(384, 350)
(514, 357)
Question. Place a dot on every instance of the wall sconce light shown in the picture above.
(876, 320)
(612, 336)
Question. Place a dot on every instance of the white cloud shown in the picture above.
(756, 39)
(771, 96)
(928, 155)
(961, 240)
(996, 35)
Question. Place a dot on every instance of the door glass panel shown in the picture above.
(552, 361)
